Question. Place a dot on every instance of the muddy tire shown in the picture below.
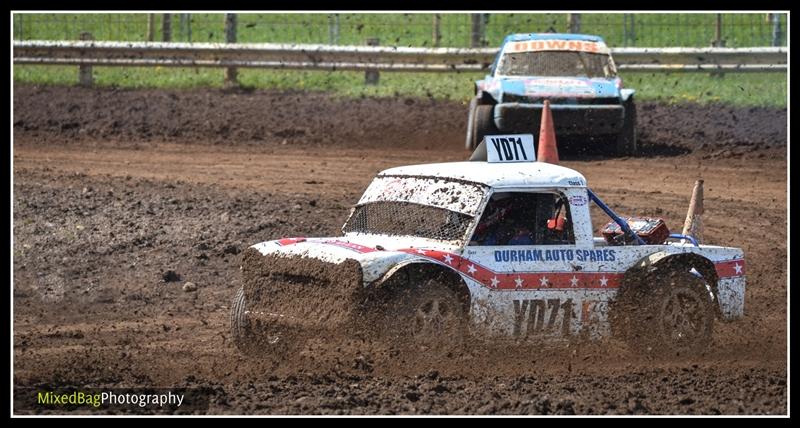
(257, 338)
(627, 143)
(674, 316)
(482, 124)
(241, 331)
(428, 318)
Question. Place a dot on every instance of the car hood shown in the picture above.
(566, 87)
(377, 254)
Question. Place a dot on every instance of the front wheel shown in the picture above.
(429, 317)
(627, 144)
(483, 123)
(473, 105)
(257, 337)
(241, 330)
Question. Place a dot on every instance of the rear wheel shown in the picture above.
(674, 316)
(627, 144)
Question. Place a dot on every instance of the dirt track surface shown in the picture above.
(260, 117)
(102, 215)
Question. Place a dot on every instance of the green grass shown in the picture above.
(743, 89)
(399, 29)
(746, 89)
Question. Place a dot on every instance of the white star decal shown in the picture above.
(604, 281)
(471, 269)
(738, 268)
(574, 281)
(448, 259)
(543, 281)
(421, 251)
(519, 282)
(495, 282)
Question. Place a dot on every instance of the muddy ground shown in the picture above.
(122, 197)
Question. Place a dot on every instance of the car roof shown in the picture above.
(516, 174)
(552, 36)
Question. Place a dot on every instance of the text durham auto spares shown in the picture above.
(79, 398)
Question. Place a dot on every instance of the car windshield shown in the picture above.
(427, 207)
(556, 64)
(408, 219)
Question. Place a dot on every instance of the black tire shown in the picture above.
(627, 143)
(473, 104)
(241, 330)
(429, 317)
(257, 338)
(674, 316)
(483, 123)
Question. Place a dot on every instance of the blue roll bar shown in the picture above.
(617, 219)
(687, 237)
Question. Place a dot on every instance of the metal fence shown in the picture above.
(330, 57)
(413, 29)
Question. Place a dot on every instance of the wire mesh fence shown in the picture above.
(412, 29)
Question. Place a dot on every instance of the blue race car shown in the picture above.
(574, 71)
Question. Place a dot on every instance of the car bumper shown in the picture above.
(301, 292)
(567, 119)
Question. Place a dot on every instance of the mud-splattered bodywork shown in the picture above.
(525, 291)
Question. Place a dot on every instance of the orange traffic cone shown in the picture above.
(548, 152)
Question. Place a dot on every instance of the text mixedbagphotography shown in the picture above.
(98, 399)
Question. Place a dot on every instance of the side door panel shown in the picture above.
(531, 292)
(537, 292)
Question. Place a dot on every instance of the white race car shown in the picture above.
(492, 248)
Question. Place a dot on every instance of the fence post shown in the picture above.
(371, 77)
(574, 22)
(85, 77)
(484, 27)
(628, 29)
(718, 42)
(151, 26)
(437, 33)
(19, 34)
(333, 28)
(166, 28)
(625, 29)
(231, 73)
(181, 27)
(477, 30)
(776, 29)
(185, 26)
